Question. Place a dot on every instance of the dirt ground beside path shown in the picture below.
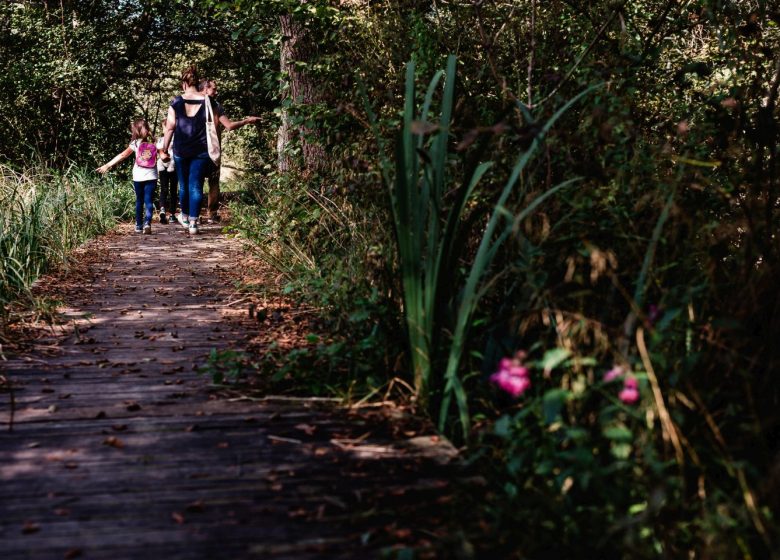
(119, 449)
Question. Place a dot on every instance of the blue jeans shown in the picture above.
(192, 173)
(144, 193)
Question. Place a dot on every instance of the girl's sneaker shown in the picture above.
(147, 228)
(182, 221)
(193, 227)
(138, 229)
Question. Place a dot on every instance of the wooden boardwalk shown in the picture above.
(119, 450)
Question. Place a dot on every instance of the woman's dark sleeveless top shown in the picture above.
(190, 132)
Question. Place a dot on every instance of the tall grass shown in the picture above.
(44, 215)
(426, 233)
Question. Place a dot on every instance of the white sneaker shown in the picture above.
(147, 228)
(193, 227)
(184, 222)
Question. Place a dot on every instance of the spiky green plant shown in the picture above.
(427, 243)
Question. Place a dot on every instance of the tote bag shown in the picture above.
(212, 138)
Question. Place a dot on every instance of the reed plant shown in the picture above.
(426, 231)
(44, 215)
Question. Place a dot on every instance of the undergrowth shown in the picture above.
(44, 215)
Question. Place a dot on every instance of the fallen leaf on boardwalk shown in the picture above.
(71, 465)
(177, 517)
(30, 527)
(297, 513)
(132, 406)
(223, 445)
(119, 427)
(62, 512)
(191, 428)
(277, 487)
(308, 429)
(280, 439)
(195, 507)
(100, 415)
(72, 553)
(113, 441)
(33, 445)
(320, 451)
(335, 501)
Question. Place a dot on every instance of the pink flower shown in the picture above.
(630, 392)
(511, 377)
(615, 373)
(518, 371)
(505, 363)
(515, 385)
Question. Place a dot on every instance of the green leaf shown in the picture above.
(621, 450)
(502, 427)
(552, 403)
(618, 433)
(553, 358)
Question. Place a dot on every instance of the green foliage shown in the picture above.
(44, 215)
(226, 366)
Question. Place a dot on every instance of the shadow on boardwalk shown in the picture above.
(119, 450)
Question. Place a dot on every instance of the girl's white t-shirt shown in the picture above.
(142, 173)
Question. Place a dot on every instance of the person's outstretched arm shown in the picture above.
(119, 157)
(170, 126)
(233, 125)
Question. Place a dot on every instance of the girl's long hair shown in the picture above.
(140, 130)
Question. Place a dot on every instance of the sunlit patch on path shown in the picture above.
(118, 449)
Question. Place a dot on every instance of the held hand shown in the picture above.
(164, 156)
(103, 169)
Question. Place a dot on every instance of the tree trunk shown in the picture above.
(300, 89)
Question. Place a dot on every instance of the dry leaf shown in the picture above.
(308, 429)
(114, 441)
(195, 507)
(30, 527)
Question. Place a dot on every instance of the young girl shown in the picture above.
(144, 171)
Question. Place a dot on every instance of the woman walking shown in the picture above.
(187, 120)
(144, 172)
